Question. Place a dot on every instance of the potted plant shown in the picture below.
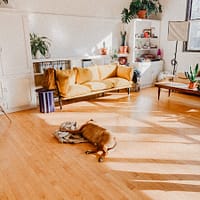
(114, 55)
(123, 47)
(103, 50)
(192, 76)
(39, 44)
(147, 7)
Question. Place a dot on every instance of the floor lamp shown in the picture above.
(177, 31)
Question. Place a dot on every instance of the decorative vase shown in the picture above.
(192, 85)
(142, 14)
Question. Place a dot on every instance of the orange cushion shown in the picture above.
(125, 72)
(49, 79)
(83, 75)
(64, 79)
(107, 71)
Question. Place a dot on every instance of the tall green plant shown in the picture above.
(192, 74)
(40, 44)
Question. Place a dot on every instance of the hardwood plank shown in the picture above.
(157, 156)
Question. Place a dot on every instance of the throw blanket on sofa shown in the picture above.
(65, 137)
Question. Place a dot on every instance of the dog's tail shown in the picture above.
(115, 144)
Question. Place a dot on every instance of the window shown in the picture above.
(193, 16)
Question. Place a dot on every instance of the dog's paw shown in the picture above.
(100, 159)
(88, 152)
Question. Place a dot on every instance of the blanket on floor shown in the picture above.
(65, 137)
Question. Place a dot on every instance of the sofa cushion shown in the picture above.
(83, 75)
(77, 90)
(99, 85)
(125, 72)
(107, 71)
(119, 82)
(95, 73)
(64, 79)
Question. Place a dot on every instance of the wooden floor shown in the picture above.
(157, 156)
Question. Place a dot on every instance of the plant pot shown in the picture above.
(142, 14)
(103, 51)
(123, 49)
(192, 85)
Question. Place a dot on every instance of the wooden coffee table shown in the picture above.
(174, 86)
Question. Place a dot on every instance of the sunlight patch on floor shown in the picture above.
(155, 168)
(170, 122)
(107, 119)
(171, 195)
(193, 110)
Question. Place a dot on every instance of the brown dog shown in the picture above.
(98, 136)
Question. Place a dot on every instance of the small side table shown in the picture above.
(46, 100)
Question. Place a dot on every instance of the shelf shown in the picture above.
(150, 38)
(122, 55)
(142, 49)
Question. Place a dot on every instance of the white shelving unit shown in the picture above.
(144, 43)
(144, 40)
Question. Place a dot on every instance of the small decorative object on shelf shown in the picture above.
(123, 60)
(159, 54)
(104, 50)
(114, 55)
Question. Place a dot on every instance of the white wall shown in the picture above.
(74, 35)
(75, 28)
(172, 11)
(103, 8)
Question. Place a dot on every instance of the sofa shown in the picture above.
(81, 82)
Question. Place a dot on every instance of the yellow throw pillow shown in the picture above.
(64, 79)
(49, 79)
(95, 72)
(107, 71)
(125, 72)
(83, 75)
